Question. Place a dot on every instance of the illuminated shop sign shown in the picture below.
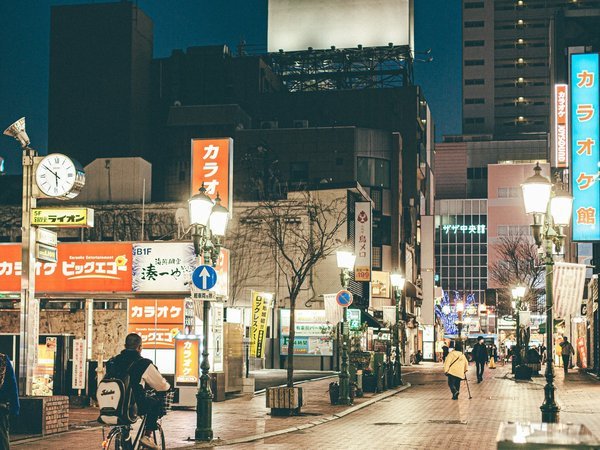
(464, 229)
(561, 128)
(585, 137)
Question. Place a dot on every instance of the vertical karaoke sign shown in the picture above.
(212, 165)
(585, 151)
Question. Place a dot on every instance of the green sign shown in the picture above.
(354, 319)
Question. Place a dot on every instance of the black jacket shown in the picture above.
(137, 366)
(480, 353)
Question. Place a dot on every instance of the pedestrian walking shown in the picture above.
(9, 399)
(455, 368)
(480, 356)
(445, 351)
(566, 350)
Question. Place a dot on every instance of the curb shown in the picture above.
(327, 419)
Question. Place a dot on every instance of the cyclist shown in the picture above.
(143, 374)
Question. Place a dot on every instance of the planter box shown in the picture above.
(284, 401)
(248, 386)
(42, 415)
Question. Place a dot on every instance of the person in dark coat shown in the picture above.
(9, 399)
(480, 356)
(566, 351)
(445, 351)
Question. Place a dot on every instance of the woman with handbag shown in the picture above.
(455, 368)
(9, 399)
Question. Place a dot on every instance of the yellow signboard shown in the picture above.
(260, 314)
(63, 217)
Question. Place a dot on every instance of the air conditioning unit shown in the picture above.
(300, 123)
(269, 124)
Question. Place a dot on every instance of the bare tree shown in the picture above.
(297, 233)
(518, 264)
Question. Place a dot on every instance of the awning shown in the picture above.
(370, 320)
(413, 290)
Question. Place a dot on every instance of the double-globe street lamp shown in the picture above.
(517, 293)
(209, 222)
(551, 214)
(398, 285)
(345, 262)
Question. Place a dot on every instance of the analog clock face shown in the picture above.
(56, 175)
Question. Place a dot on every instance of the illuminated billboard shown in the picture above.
(585, 142)
(296, 25)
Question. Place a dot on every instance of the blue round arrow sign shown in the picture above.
(204, 277)
(344, 298)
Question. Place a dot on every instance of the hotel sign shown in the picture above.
(561, 127)
(585, 142)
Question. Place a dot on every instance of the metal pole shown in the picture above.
(549, 408)
(344, 398)
(398, 377)
(30, 307)
(204, 397)
(516, 359)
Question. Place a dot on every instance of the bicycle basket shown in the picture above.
(166, 402)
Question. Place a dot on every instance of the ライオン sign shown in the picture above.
(585, 142)
(63, 217)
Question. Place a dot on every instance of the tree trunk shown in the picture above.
(292, 336)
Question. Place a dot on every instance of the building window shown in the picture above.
(477, 173)
(474, 43)
(473, 5)
(373, 172)
(474, 81)
(474, 62)
(474, 120)
(474, 24)
(474, 101)
(508, 192)
(299, 171)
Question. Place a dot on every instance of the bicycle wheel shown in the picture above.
(159, 437)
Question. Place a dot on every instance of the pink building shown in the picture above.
(506, 213)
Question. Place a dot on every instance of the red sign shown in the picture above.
(81, 267)
(156, 321)
(187, 355)
(212, 165)
(561, 134)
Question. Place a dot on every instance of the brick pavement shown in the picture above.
(423, 417)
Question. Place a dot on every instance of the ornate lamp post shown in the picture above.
(398, 284)
(551, 213)
(518, 293)
(460, 308)
(209, 222)
(345, 262)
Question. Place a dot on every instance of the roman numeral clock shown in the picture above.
(58, 176)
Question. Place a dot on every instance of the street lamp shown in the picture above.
(518, 293)
(209, 222)
(550, 215)
(345, 262)
(398, 284)
(460, 308)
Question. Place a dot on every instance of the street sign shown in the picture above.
(344, 298)
(199, 294)
(46, 253)
(204, 277)
(48, 237)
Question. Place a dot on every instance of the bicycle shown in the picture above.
(119, 436)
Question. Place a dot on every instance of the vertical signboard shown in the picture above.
(561, 126)
(212, 164)
(187, 355)
(79, 373)
(362, 241)
(260, 310)
(585, 137)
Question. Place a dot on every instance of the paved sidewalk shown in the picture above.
(425, 417)
(233, 419)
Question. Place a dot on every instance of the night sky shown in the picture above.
(24, 44)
